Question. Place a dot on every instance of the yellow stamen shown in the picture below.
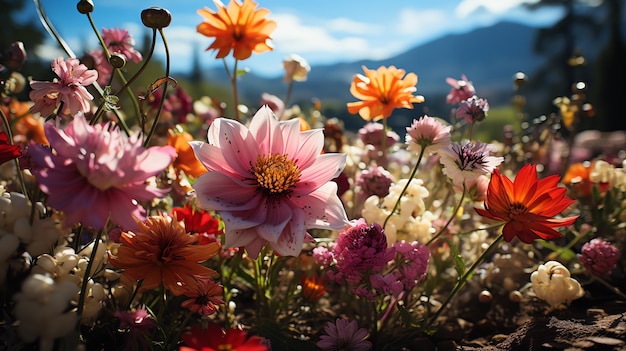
(275, 174)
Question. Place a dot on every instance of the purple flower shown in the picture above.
(599, 257)
(361, 249)
(95, 172)
(372, 134)
(375, 180)
(413, 259)
(461, 90)
(344, 335)
(138, 324)
(473, 109)
(464, 163)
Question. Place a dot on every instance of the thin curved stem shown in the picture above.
(463, 280)
(87, 277)
(395, 207)
(443, 229)
(233, 82)
(167, 74)
(45, 21)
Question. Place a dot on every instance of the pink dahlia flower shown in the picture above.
(427, 133)
(68, 90)
(269, 181)
(599, 257)
(120, 41)
(92, 173)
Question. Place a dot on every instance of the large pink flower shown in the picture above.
(92, 173)
(269, 181)
(69, 89)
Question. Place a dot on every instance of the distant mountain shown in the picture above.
(488, 56)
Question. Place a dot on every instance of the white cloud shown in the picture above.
(466, 7)
(349, 26)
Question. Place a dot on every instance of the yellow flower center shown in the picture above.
(275, 174)
(224, 347)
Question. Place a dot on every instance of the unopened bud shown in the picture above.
(117, 60)
(85, 6)
(156, 17)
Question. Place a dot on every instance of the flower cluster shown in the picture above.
(158, 221)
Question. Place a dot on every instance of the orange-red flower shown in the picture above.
(26, 127)
(239, 27)
(162, 253)
(312, 288)
(381, 91)
(527, 205)
(186, 160)
(577, 177)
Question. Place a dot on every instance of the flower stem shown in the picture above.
(167, 74)
(86, 276)
(287, 97)
(233, 81)
(462, 280)
(395, 207)
(443, 229)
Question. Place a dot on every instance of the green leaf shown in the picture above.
(456, 256)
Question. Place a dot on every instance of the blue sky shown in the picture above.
(321, 31)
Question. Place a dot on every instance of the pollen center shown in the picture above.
(275, 174)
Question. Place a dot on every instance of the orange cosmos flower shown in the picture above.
(26, 127)
(186, 160)
(382, 91)
(527, 205)
(312, 288)
(577, 177)
(162, 253)
(238, 27)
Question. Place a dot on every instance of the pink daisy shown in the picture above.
(120, 41)
(92, 173)
(69, 90)
(344, 335)
(427, 133)
(269, 181)
(462, 89)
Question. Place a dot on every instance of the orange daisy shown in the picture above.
(577, 177)
(26, 127)
(381, 91)
(239, 27)
(186, 160)
(527, 205)
(162, 253)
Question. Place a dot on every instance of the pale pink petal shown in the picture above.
(292, 237)
(291, 137)
(237, 147)
(266, 130)
(322, 208)
(311, 145)
(239, 238)
(218, 191)
(325, 168)
(278, 215)
(212, 158)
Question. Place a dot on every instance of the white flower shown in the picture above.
(41, 309)
(552, 283)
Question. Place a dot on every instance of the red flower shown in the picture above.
(527, 205)
(8, 151)
(199, 221)
(214, 338)
(313, 288)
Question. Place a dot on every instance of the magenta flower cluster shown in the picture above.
(599, 257)
(361, 256)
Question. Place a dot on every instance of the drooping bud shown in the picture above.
(117, 60)
(156, 17)
(85, 6)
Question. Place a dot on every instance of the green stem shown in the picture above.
(395, 207)
(86, 276)
(443, 229)
(462, 281)
(167, 74)
(20, 176)
(233, 83)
